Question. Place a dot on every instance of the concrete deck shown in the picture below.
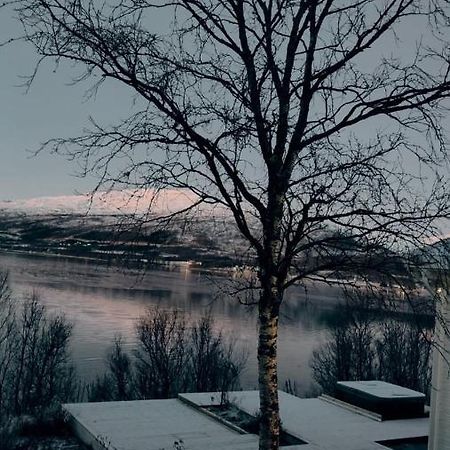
(158, 424)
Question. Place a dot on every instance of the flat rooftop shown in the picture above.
(381, 389)
(152, 425)
(159, 424)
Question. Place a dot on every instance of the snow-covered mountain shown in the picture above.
(99, 227)
(113, 202)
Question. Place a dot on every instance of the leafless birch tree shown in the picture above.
(308, 120)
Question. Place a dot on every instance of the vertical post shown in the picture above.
(439, 437)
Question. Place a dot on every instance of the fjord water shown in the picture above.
(103, 301)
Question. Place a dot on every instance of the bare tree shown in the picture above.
(173, 359)
(118, 383)
(349, 353)
(214, 364)
(162, 354)
(404, 355)
(35, 366)
(299, 117)
(42, 372)
(363, 345)
(120, 367)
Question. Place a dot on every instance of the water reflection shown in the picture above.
(104, 301)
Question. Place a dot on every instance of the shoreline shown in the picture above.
(420, 303)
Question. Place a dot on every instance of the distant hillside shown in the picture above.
(105, 227)
(113, 202)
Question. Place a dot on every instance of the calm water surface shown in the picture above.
(105, 301)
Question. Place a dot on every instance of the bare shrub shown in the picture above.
(349, 352)
(43, 372)
(171, 358)
(214, 364)
(162, 354)
(404, 353)
(118, 383)
(121, 371)
(361, 347)
(35, 368)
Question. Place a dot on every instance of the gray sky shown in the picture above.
(51, 108)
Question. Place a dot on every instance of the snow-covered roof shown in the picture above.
(157, 424)
(381, 389)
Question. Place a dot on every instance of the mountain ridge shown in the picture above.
(167, 201)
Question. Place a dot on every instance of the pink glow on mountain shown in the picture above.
(113, 202)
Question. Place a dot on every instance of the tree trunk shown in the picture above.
(269, 434)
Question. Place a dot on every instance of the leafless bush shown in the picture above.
(361, 347)
(404, 353)
(43, 372)
(349, 352)
(171, 357)
(162, 355)
(118, 383)
(214, 364)
(35, 368)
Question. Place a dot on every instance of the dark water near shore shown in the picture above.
(103, 301)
